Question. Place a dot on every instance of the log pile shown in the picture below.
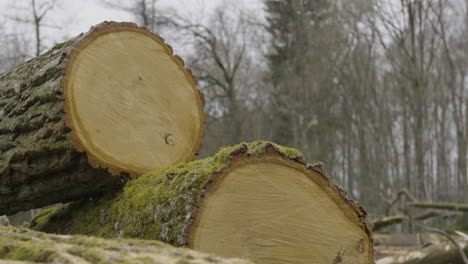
(426, 251)
(435, 254)
(435, 209)
(103, 119)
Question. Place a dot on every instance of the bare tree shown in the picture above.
(223, 59)
(147, 12)
(38, 14)
(371, 91)
(14, 49)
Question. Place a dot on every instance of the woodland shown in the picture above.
(166, 139)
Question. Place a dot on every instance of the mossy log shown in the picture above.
(259, 201)
(440, 206)
(36, 247)
(413, 202)
(380, 223)
(443, 253)
(113, 101)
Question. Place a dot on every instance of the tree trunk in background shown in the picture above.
(461, 162)
(69, 122)
(256, 200)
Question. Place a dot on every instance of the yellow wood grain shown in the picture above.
(271, 213)
(132, 104)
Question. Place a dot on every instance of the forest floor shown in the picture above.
(399, 248)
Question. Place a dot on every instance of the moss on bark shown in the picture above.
(162, 205)
(26, 245)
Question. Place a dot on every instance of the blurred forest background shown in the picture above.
(376, 89)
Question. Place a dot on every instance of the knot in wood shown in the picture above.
(169, 139)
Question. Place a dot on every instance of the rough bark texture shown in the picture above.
(36, 153)
(40, 162)
(162, 205)
(35, 247)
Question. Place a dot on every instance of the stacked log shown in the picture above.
(104, 118)
(91, 112)
(434, 254)
(260, 201)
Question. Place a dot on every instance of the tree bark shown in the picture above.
(241, 202)
(36, 247)
(68, 119)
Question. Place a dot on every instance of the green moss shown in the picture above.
(43, 217)
(158, 205)
(258, 148)
(183, 261)
(25, 249)
(89, 254)
(30, 246)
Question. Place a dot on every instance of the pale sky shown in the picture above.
(71, 17)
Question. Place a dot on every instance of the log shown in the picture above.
(443, 253)
(380, 223)
(35, 247)
(413, 202)
(114, 101)
(442, 206)
(259, 200)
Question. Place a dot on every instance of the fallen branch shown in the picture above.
(379, 223)
(458, 247)
(436, 254)
(444, 206)
(407, 194)
(463, 235)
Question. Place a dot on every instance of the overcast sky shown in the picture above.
(71, 17)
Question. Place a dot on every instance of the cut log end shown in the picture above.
(258, 201)
(114, 101)
(131, 104)
(273, 211)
